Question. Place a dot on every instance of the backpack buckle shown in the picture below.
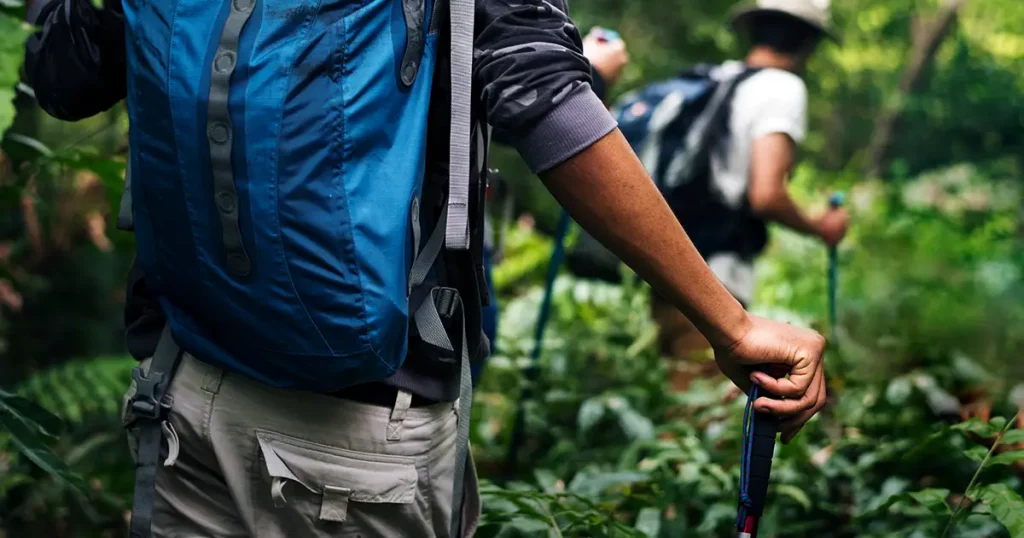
(145, 404)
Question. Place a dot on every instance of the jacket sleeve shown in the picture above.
(534, 82)
(75, 61)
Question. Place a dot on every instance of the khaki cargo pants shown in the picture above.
(248, 460)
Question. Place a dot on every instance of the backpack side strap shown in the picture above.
(429, 309)
(149, 411)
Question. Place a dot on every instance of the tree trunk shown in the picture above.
(927, 34)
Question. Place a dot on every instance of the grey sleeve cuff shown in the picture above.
(571, 127)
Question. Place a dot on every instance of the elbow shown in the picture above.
(763, 202)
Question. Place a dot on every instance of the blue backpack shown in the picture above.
(278, 150)
(673, 126)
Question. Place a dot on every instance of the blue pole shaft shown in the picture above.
(557, 256)
(835, 202)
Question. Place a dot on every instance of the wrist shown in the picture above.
(816, 229)
(732, 325)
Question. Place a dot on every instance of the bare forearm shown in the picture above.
(608, 192)
(783, 210)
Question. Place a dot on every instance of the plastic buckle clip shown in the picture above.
(144, 404)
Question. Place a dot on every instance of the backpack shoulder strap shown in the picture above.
(461, 14)
(698, 138)
(125, 213)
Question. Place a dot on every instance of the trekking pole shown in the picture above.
(758, 440)
(557, 255)
(835, 202)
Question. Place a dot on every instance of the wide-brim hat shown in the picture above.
(812, 12)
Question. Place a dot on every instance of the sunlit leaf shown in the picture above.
(977, 427)
(648, 521)
(976, 453)
(590, 413)
(590, 485)
(1007, 458)
(633, 424)
(1013, 437)
(794, 493)
(935, 500)
(1006, 506)
(12, 37)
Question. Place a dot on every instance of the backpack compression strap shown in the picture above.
(457, 224)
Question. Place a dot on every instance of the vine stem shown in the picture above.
(551, 518)
(960, 505)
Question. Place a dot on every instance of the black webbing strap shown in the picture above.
(149, 412)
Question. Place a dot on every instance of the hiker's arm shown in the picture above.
(607, 191)
(771, 161)
(75, 61)
(536, 93)
(534, 80)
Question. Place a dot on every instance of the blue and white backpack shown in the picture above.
(673, 126)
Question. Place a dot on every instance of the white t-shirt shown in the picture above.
(768, 102)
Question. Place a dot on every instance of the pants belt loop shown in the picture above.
(402, 403)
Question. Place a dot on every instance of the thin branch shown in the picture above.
(959, 505)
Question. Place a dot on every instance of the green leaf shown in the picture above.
(976, 453)
(13, 33)
(977, 427)
(547, 480)
(648, 521)
(932, 499)
(898, 391)
(31, 414)
(32, 447)
(634, 425)
(1006, 506)
(1013, 437)
(590, 485)
(590, 414)
(794, 493)
(1007, 458)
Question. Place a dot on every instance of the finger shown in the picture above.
(791, 427)
(796, 405)
(793, 386)
(782, 407)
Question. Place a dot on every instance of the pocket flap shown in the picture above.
(364, 477)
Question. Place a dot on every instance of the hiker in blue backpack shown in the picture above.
(306, 198)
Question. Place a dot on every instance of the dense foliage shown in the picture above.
(923, 437)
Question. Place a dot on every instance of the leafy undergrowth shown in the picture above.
(931, 307)
(610, 452)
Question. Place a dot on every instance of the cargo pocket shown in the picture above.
(337, 490)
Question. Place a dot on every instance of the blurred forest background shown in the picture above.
(918, 117)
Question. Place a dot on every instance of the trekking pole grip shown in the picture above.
(760, 449)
